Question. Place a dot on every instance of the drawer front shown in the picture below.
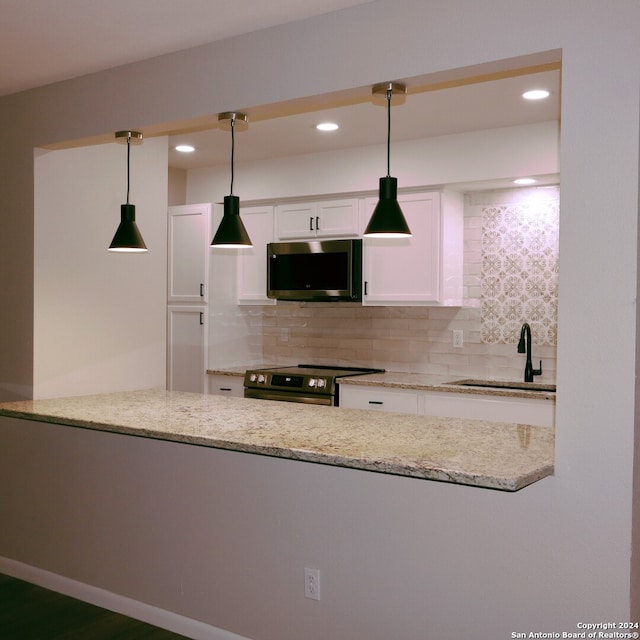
(377, 399)
(494, 409)
(226, 385)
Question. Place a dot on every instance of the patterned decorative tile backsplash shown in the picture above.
(520, 268)
(510, 277)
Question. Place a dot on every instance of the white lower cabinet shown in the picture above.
(378, 399)
(222, 385)
(186, 348)
(532, 411)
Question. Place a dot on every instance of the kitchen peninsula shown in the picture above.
(495, 455)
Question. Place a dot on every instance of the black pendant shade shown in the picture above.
(128, 238)
(231, 233)
(387, 219)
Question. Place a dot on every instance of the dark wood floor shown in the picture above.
(28, 612)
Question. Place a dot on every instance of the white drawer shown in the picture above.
(226, 385)
(492, 408)
(377, 399)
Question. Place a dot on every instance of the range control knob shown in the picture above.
(322, 383)
(261, 378)
(253, 377)
(312, 382)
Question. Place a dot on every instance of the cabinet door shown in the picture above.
(252, 263)
(337, 218)
(186, 348)
(378, 399)
(296, 221)
(492, 408)
(406, 271)
(323, 219)
(226, 385)
(188, 251)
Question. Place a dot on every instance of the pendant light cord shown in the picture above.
(128, 155)
(233, 146)
(389, 93)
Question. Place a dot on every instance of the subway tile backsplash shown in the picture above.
(420, 339)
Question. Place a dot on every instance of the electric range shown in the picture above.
(308, 383)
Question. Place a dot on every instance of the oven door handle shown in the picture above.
(264, 394)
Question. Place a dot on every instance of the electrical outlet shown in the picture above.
(458, 340)
(284, 334)
(312, 583)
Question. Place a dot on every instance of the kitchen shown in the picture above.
(247, 328)
(564, 505)
(248, 331)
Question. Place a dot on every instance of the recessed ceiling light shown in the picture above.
(327, 126)
(185, 148)
(535, 94)
(524, 181)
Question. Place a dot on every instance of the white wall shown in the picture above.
(223, 538)
(481, 155)
(549, 556)
(99, 317)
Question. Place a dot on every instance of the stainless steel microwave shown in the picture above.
(316, 270)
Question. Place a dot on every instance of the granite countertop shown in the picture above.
(494, 455)
(430, 382)
(230, 371)
(419, 382)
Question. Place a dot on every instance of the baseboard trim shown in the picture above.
(114, 602)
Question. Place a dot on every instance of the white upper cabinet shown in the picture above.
(252, 263)
(321, 219)
(425, 269)
(188, 253)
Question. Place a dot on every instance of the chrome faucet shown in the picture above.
(525, 339)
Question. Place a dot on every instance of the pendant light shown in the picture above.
(387, 220)
(128, 238)
(231, 233)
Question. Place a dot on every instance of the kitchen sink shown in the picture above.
(502, 384)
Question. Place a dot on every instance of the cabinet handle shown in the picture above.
(201, 290)
(201, 317)
(317, 223)
(366, 287)
(225, 389)
(376, 402)
(310, 223)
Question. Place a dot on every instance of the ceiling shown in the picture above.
(423, 114)
(45, 41)
(40, 41)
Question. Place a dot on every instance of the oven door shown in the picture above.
(287, 396)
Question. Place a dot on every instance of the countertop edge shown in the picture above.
(383, 460)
